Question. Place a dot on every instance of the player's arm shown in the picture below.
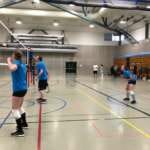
(131, 76)
(41, 72)
(11, 66)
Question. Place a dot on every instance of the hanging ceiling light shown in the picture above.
(91, 26)
(71, 5)
(123, 22)
(36, 1)
(56, 24)
(102, 9)
(18, 22)
(148, 6)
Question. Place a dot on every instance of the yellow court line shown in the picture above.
(146, 135)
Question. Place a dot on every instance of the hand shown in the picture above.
(9, 59)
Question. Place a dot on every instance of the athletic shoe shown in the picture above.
(42, 100)
(23, 121)
(18, 133)
(126, 99)
(38, 99)
(133, 102)
(25, 126)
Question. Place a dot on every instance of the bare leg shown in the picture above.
(127, 93)
(16, 103)
(41, 94)
(132, 94)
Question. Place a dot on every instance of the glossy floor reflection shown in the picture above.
(81, 114)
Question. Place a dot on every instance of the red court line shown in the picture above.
(99, 133)
(39, 139)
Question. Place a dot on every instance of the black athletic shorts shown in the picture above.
(20, 93)
(132, 82)
(47, 84)
(42, 85)
(95, 72)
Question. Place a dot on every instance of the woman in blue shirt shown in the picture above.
(19, 87)
(42, 74)
(131, 85)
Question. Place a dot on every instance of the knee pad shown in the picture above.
(16, 113)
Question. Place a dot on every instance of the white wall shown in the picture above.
(87, 39)
(139, 34)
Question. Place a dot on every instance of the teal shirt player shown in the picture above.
(41, 66)
(19, 81)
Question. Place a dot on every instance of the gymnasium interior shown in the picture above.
(83, 112)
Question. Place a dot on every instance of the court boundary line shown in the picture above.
(113, 98)
(65, 103)
(60, 121)
(78, 120)
(39, 130)
(5, 119)
(128, 118)
(101, 105)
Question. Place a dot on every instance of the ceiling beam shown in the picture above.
(10, 2)
(116, 30)
(102, 4)
(84, 11)
(34, 12)
(136, 21)
(115, 22)
(82, 17)
(41, 30)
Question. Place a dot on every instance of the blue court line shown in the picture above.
(5, 119)
(30, 116)
(111, 98)
(55, 110)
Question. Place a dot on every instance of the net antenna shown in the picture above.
(16, 38)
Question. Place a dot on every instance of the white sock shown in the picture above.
(132, 95)
(16, 113)
(22, 111)
(128, 94)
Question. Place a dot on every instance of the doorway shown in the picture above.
(71, 67)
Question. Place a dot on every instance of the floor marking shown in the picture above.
(5, 119)
(51, 121)
(128, 118)
(110, 98)
(66, 115)
(39, 137)
(52, 111)
(146, 135)
(99, 133)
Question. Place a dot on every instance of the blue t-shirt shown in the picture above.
(133, 76)
(41, 66)
(126, 74)
(19, 81)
